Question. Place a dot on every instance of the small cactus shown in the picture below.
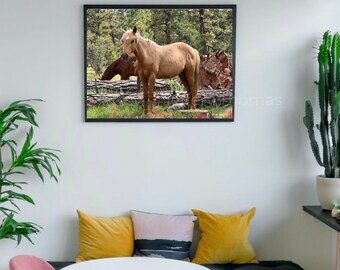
(329, 103)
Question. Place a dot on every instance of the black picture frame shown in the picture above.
(87, 8)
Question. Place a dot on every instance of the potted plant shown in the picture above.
(328, 185)
(14, 161)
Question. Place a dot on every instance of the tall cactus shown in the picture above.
(329, 103)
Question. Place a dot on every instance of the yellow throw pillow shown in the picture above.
(224, 238)
(103, 237)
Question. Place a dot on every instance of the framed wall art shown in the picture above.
(159, 63)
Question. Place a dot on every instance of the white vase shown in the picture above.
(328, 190)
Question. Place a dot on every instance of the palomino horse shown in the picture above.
(163, 62)
(125, 68)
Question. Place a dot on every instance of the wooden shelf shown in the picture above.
(322, 215)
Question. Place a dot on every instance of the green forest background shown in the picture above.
(206, 30)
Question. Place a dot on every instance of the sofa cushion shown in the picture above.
(166, 236)
(263, 265)
(102, 237)
(224, 238)
(59, 265)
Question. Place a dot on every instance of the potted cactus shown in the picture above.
(328, 185)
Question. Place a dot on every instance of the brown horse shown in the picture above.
(125, 68)
(155, 61)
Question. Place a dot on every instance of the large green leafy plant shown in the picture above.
(329, 102)
(14, 162)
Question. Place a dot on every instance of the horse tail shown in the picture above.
(197, 69)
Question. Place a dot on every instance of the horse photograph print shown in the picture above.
(159, 63)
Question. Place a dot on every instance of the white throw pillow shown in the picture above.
(165, 236)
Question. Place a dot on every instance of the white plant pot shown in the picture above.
(328, 190)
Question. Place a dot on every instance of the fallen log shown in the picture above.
(212, 97)
(215, 71)
(124, 86)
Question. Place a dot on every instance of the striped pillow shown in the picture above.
(164, 236)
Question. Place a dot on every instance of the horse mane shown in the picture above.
(151, 42)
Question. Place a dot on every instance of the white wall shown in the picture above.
(263, 159)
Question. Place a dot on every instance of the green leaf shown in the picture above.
(15, 205)
(5, 210)
(19, 196)
(37, 170)
(10, 144)
(8, 183)
(29, 156)
(17, 111)
(14, 230)
(11, 173)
